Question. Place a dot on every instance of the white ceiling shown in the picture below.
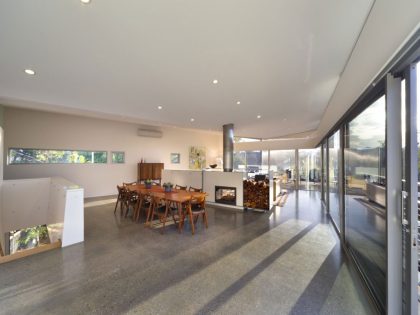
(280, 59)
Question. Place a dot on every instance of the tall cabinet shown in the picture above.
(151, 171)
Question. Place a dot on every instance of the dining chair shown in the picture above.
(196, 207)
(195, 189)
(128, 184)
(159, 208)
(120, 198)
(131, 198)
(179, 187)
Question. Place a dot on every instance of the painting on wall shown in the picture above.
(197, 158)
(175, 158)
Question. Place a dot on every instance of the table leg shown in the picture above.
(139, 205)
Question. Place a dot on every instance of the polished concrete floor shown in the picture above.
(286, 261)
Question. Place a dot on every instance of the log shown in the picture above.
(256, 194)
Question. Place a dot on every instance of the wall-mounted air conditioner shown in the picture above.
(150, 133)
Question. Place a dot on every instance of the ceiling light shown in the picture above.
(238, 103)
(192, 119)
(30, 71)
(85, 1)
(160, 107)
(258, 116)
(215, 81)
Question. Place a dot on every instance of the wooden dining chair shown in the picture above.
(195, 189)
(196, 207)
(179, 187)
(143, 202)
(131, 198)
(159, 208)
(120, 198)
(128, 184)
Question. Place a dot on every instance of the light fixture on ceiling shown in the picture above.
(215, 81)
(29, 71)
(258, 116)
(160, 107)
(238, 103)
(85, 1)
(192, 119)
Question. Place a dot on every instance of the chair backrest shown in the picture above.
(122, 192)
(128, 184)
(180, 187)
(199, 200)
(195, 189)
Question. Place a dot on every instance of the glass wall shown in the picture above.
(365, 194)
(333, 163)
(239, 160)
(310, 169)
(251, 162)
(324, 170)
(282, 163)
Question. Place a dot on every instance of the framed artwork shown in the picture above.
(197, 158)
(175, 158)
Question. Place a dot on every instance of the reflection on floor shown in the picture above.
(286, 261)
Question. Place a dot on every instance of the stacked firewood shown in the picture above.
(256, 194)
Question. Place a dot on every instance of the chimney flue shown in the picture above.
(228, 147)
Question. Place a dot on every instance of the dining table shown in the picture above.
(181, 198)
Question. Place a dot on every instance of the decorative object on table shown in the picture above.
(175, 158)
(148, 183)
(213, 165)
(168, 187)
(197, 158)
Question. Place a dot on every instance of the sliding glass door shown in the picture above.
(365, 195)
(410, 90)
(333, 180)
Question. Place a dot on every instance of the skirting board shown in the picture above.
(223, 206)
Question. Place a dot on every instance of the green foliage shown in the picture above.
(118, 157)
(37, 233)
(39, 156)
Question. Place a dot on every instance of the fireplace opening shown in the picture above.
(226, 195)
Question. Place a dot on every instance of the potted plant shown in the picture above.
(167, 186)
(148, 183)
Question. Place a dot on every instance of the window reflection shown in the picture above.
(324, 170)
(365, 191)
(282, 163)
(310, 169)
(333, 151)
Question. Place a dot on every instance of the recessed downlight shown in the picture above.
(258, 116)
(85, 1)
(215, 81)
(192, 119)
(238, 103)
(160, 107)
(29, 71)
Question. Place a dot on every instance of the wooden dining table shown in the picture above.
(181, 198)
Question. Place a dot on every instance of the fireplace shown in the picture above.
(226, 195)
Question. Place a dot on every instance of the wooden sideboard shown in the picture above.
(151, 171)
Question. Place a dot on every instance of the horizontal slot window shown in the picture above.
(42, 156)
(118, 157)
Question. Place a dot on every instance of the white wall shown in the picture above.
(25, 203)
(36, 129)
(183, 177)
(2, 231)
(230, 179)
(53, 201)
